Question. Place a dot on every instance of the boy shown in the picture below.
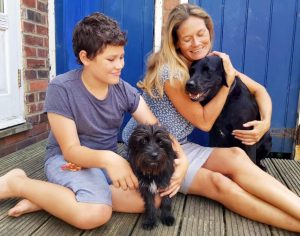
(85, 108)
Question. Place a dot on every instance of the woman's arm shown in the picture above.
(65, 132)
(201, 117)
(250, 137)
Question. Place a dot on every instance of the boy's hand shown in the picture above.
(120, 173)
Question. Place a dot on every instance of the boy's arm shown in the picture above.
(143, 114)
(65, 132)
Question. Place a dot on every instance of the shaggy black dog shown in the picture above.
(151, 157)
(207, 76)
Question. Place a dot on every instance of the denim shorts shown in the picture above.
(197, 156)
(91, 185)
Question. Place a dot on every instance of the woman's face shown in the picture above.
(193, 39)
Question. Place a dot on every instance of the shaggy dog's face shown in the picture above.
(150, 149)
(206, 78)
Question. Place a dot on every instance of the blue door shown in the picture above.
(263, 41)
(136, 17)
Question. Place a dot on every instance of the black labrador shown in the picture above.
(207, 76)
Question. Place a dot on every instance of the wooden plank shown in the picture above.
(24, 225)
(161, 229)
(202, 216)
(120, 224)
(54, 226)
(287, 172)
(238, 225)
(290, 171)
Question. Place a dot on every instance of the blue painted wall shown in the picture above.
(263, 41)
(136, 17)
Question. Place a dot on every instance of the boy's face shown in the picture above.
(106, 67)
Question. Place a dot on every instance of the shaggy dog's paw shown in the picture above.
(168, 220)
(149, 224)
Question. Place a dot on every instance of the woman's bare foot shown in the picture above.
(5, 191)
(22, 207)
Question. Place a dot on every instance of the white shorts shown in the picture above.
(197, 156)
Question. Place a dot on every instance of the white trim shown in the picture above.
(52, 55)
(158, 19)
(184, 1)
(12, 122)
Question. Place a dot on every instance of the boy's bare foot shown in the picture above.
(22, 207)
(5, 191)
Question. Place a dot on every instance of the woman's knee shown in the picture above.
(237, 158)
(93, 216)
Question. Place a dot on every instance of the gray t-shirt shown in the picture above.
(97, 121)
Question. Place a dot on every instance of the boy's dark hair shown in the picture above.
(94, 32)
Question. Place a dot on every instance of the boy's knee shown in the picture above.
(93, 217)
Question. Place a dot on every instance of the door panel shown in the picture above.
(11, 93)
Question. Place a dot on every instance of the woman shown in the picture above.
(226, 175)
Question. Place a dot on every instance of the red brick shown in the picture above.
(38, 129)
(28, 27)
(30, 74)
(33, 119)
(40, 106)
(29, 98)
(42, 30)
(42, 96)
(42, 6)
(29, 3)
(29, 51)
(38, 85)
(5, 150)
(35, 63)
(24, 143)
(46, 42)
(31, 108)
(33, 40)
(43, 53)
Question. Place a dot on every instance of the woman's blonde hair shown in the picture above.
(168, 55)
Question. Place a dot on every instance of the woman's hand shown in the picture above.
(252, 136)
(228, 67)
(181, 166)
(120, 172)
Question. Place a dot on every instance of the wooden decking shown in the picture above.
(194, 215)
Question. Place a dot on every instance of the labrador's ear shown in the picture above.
(215, 63)
(224, 80)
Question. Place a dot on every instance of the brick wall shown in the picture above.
(35, 42)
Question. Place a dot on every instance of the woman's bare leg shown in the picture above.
(222, 189)
(234, 163)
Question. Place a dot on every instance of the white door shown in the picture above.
(11, 92)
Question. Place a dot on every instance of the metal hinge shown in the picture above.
(19, 78)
